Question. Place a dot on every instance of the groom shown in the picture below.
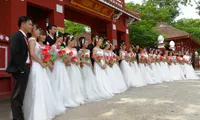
(19, 65)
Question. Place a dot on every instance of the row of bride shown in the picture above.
(62, 78)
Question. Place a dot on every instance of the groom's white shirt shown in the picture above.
(28, 58)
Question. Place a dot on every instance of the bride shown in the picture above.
(75, 76)
(60, 78)
(92, 91)
(100, 69)
(39, 101)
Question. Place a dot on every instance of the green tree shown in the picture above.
(189, 25)
(152, 12)
(142, 32)
(74, 28)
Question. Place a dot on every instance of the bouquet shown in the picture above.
(160, 59)
(127, 57)
(53, 58)
(98, 57)
(146, 60)
(156, 58)
(70, 54)
(117, 58)
(111, 61)
(186, 61)
(133, 58)
(74, 59)
(180, 60)
(107, 57)
(169, 60)
(85, 56)
(45, 53)
(61, 53)
(152, 59)
(142, 59)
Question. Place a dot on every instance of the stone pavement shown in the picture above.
(178, 100)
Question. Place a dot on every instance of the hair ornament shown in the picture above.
(71, 37)
(83, 40)
(56, 33)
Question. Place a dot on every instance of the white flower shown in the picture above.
(1, 37)
(7, 38)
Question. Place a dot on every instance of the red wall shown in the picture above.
(40, 10)
(6, 83)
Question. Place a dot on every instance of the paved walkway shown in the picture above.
(168, 101)
(178, 100)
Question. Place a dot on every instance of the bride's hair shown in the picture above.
(82, 41)
(42, 33)
(69, 38)
(97, 40)
(36, 26)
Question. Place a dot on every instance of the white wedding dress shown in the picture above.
(189, 70)
(93, 92)
(127, 71)
(39, 101)
(138, 81)
(147, 72)
(101, 75)
(75, 77)
(156, 72)
(119, 82)
(60, 81)
(174, 70)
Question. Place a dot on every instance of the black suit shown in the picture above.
(137, 56)
(116, 51)
(20, 72)
(49, 40)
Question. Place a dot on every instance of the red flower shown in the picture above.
(107, 57)
(87, 55)
(74, 58)
(99, 57)
(44, 51)
(61, 52)
(111, 60)
(58, 45)
(83, 56)
(70, 53)
(46, 57)
(47, 47)
(160, 58)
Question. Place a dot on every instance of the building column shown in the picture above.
(125, 37)
(14, 9)
(111, 33)
(57, 16)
